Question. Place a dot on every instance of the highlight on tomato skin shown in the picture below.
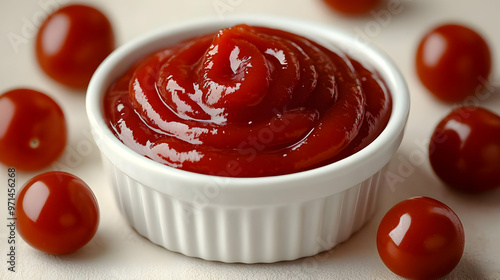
(453, 62)
(465, 149)
(72, 42)
(32, 129)
(420, 238)
(56, 213)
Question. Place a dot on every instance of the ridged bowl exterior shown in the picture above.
(245, 234)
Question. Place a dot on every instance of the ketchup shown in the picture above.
(247, 101)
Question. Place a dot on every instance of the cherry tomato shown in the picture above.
(353, 7)
(32, 129)
(453, 62)
(465, 149)
(420, 238)
(72, 42)
(56, 213)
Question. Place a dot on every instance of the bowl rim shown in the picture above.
(129, 52)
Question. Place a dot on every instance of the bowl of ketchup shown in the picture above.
(249, 139)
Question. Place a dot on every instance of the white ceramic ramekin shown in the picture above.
(247, 220)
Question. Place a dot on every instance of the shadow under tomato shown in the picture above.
(466, 269)
(490, 94)
(92, 251)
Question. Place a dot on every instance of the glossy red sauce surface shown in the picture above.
(246, 102)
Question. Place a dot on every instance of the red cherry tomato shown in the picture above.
(353, 7)
(453, 62)
(465, 149)
(56, 213)
(420, 238)
(32, 129)
(72, 42)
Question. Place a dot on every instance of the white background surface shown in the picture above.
(117, 252)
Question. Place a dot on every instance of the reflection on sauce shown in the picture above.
(247, 101)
